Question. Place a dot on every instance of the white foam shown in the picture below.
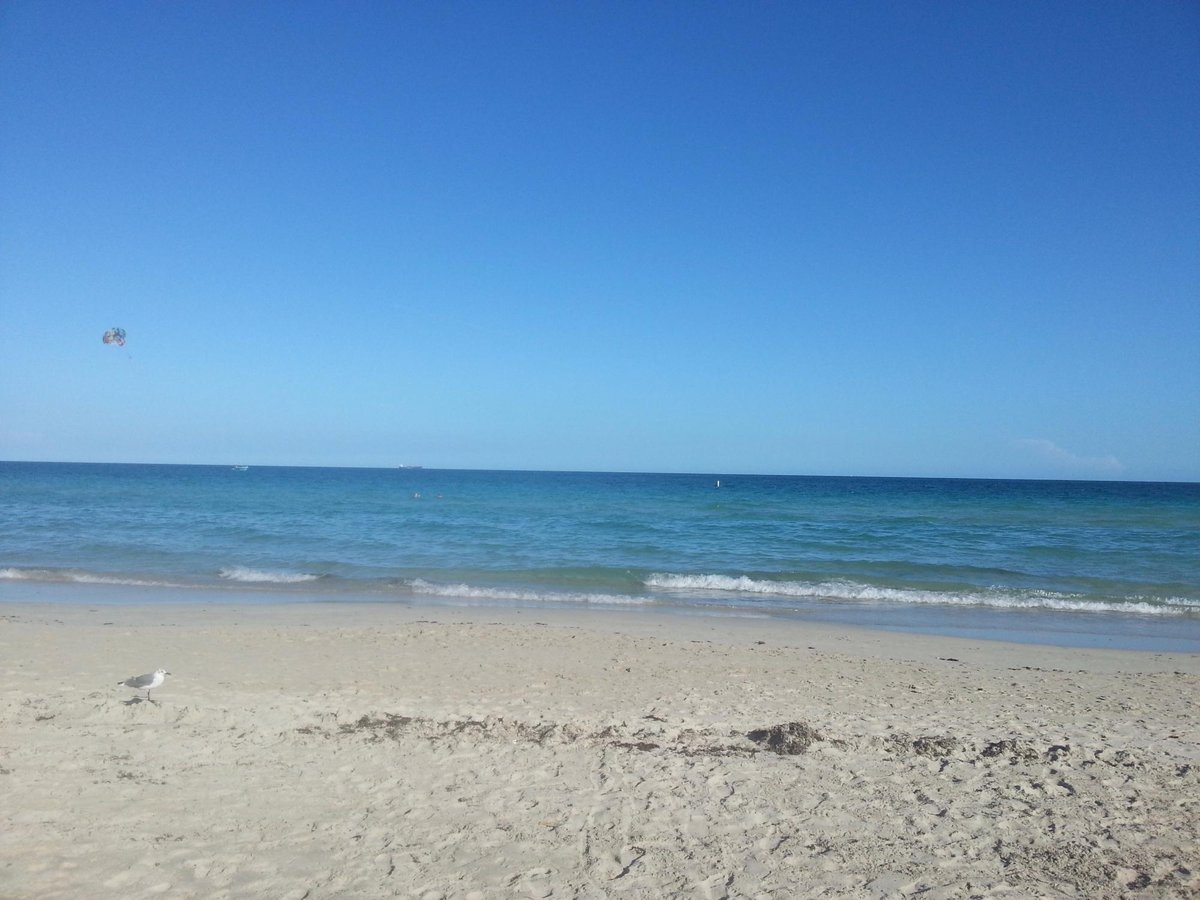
(467, 592)
(263, 576)
(75, 577)
(845, 590)
(21, 574)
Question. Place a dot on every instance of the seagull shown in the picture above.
(145, 682)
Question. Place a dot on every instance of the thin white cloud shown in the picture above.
(1050, 453)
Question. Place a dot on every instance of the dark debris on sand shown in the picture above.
(788, 739)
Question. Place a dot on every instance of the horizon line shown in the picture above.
(697, 474)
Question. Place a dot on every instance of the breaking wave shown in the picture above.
(262, 576)
(512, 595)
(835, 591)
(71, 576)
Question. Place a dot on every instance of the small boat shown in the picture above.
(240, 468)
(409, 467)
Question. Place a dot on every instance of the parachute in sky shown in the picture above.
(114, 336)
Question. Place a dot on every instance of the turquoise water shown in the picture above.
(1093, 563)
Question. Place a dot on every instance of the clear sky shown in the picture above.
(876, 238)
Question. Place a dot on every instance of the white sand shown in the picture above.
(381, 751)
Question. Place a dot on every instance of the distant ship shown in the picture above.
(409, 467)
(240, 468)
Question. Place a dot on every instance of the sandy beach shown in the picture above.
(335, 750)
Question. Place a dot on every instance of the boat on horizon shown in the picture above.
(404, 466)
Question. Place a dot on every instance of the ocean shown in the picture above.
(1101, 564)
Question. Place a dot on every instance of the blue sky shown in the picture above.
(954, 239)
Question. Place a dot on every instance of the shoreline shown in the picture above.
(377, 750)
(1023, 628)
(732, 629)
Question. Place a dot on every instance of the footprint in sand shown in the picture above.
(534, 882)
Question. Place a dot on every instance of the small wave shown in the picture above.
(24, 574)
(850, 591)
(71, 576)
(508, 595)
(262, 576)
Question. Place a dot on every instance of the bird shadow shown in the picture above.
(132, 700)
